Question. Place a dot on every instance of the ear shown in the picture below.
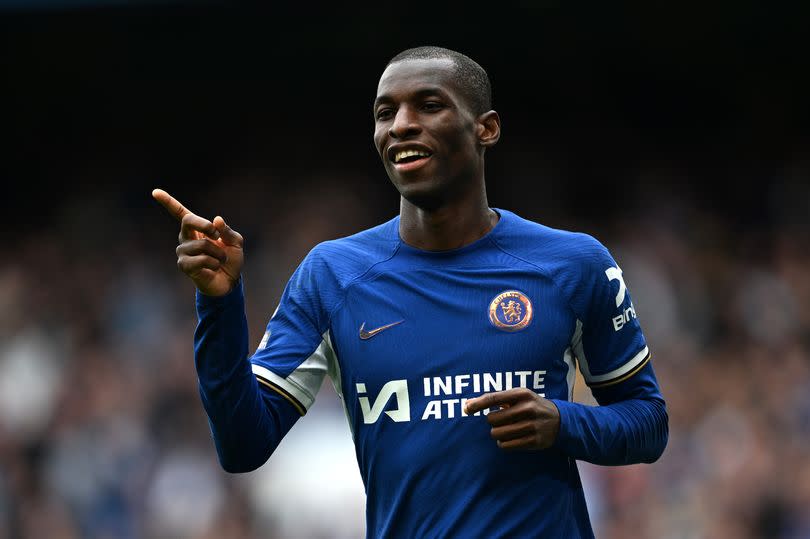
(489, 128)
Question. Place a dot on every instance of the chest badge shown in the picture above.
(510, 311)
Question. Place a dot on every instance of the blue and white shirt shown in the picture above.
(406, 336)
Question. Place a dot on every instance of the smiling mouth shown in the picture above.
(409, 156)
(405, 160)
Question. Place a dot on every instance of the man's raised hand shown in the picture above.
(210, 252)
(525, 419)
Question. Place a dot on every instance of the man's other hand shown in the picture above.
(525, 420)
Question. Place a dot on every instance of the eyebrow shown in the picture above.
(418, 94)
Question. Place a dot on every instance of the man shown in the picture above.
(450, 332)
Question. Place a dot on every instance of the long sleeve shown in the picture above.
(629, 426)
(247, 422)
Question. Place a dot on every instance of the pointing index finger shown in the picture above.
(498, 398)
(171, 204)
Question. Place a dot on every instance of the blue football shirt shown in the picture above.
(406, 336)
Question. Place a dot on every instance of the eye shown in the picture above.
(432, 106)
(384, 113)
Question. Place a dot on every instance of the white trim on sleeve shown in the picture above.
(304, 382)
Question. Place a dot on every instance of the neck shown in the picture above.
(447, 226)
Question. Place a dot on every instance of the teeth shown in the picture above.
(409, 153)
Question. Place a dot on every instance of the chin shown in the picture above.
(424, 201)
(426, 195)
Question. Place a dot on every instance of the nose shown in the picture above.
(405, 124)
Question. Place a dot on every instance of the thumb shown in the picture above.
(229, 235)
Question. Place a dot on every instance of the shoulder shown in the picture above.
(576, 262)
(553, 249)
(345, 259)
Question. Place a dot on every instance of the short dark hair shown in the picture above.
(469, 77)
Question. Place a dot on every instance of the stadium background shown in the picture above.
(675, 134)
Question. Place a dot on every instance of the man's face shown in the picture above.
(425, 131)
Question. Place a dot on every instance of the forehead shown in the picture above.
(410, 76)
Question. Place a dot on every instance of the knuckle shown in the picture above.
(205, 247)
(521, 411)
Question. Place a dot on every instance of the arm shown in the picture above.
(629, 427)
(247, 422)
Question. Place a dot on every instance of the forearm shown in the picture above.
(247, 424)
(630, 427)
(625, 432)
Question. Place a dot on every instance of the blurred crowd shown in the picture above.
(102, 434)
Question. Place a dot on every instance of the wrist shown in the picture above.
(234, 296)
(565, 409)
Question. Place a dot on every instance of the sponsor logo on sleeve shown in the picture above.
(627, 314)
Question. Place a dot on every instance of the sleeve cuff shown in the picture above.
(236, 297)
(567, 411)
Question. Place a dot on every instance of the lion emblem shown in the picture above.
(511, 311)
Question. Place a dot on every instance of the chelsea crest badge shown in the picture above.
(510, 311)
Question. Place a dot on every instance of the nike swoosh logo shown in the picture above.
(369, 334)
